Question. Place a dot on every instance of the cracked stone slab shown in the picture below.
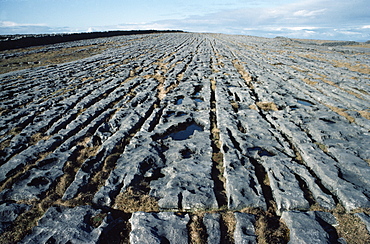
(245, 228)
(163, 227)
(310, 227)
(66, 225)
(212, 223)
(9, 212)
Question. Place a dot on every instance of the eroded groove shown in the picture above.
(306, 191)
(119, 231)
(298, 159)
(217, 156)
(101, 173)
(271, 230)
(197, 230)
(25, 222)
(263, 180)
(227, 227)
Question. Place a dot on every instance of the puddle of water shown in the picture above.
(169, 114)
(184, 134)
(197, 94)
(198, 100)
(261, 152)
(304, 102)
(179, 101)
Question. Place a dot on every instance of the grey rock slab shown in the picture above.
(245, 229)
(66, 225)
(163, 227)
(187, 182)
(128, 171)
(325, 200)
(212, 223)
(27, 156)
(242, 186)
(90, 166)
(323, 165)
(310, 227)
(9, 212)
(38, 179)
(365, 219)
(284, 185)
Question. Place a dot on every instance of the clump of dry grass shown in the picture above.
(245, 75)
(267, 106)
(134, 200)
(197, 233)
(269, 228)
(97, 219)
(38, 137)
(341, 112)
(235, 105)
(368, 161)
(361, 68)
(228, 224)
(322, 146)
(309, 82)
(350, 227)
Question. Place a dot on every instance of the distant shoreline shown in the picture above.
(9, 42)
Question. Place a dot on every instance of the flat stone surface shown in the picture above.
(310, 227)
(163, 227)
(212, 223)
(244, 229)
(63, 225)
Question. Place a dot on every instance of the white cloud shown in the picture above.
(307, 13)
(317, 19)
(13, 24)
(7, 24)
(11, 28)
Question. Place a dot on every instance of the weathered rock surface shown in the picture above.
(366, 219)
(310, 227)
(165, 227)
(212, 223)
(184, 122)
(65, 225)
(244, 229)
(9, 212)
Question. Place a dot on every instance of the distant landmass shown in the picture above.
(8, 42)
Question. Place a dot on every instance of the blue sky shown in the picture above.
(315, 19)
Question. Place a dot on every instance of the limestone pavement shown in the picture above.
(186, 138)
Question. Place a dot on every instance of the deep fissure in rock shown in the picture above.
(196, 229)
(217, 155)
